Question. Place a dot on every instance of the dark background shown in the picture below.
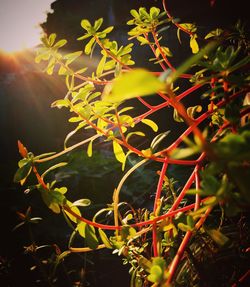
(26, 94)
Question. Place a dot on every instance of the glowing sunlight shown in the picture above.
(19, 23)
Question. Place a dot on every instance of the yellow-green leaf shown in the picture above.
(150, 123)
(89, 45)
(81, 228)
(74, 209)
(138, 82)
(101, 65)
(218, 237)
(90, 150)
(104, 238)
(194, 45)
(90, 237)
(118, 151)
(215, 33)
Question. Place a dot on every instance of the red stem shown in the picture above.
(182, 247)
(154, 51)
(154, 239)
(156, 205)
(139, 224)
(161, 52)
(159, 186)
(176, 24)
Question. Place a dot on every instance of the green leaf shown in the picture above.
(85, 24)
(156, 141)
(104, 238)
(70, 134)
(156, 274)
(194, 45)
(142, 40)
(23, 172)
(81, 228)
(43, 155)
(179, 35)
(90, 237)
(81, 202)
(154, 12)
(74, 209)
(62, 189)
(180, 153)
(51, 66)
(90, 149)
(98, 24)
(54, 167)
(190, 62)
(190, 221)
(72, 57)
(151, 124)
(23, 161)
(191, 111)
(85, 36)
(218, 237)
(134, 133)
(127, 232)
(89, 45)
(60, 43)
(60, 103)
(118, 151)
(63, 71)
(108, 30)
(215, 33)
(134, 13)
(53, 199)
(100, 66)
(51, 39)
(135, 83)
(144, 263)
(184, 227)
(42, 57)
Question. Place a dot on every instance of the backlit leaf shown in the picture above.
(98, 23)
(184, 227)
(194, 45)
(60, 103)
(89, 45)
(74, 209)
(22, 172)
(85, 24)
(154, 12)
(138, 82)
(150, 123)
(104, 238)
(53, 199)
(71, 57)
(60, 43)
(90, 149)
(100, 66)
(215, 33)
(51, 39)
(54, 167)
(81, 202)
(81, 228)
(155, 275)
(118, 151)
(108, 30)
(90, 237)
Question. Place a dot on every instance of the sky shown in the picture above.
(19, 23)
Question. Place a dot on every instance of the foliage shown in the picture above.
(158, 241)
